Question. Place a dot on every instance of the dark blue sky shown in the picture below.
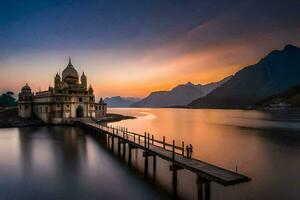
(54, 24)
(159, 32)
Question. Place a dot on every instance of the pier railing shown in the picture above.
(145, 139)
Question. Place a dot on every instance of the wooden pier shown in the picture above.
(176, 155)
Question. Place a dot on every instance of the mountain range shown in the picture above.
(119, 101)
(273, 74)
(180, 95)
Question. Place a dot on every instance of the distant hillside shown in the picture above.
(290, 97)
(118, 101)
(180, 95)
(7, 100)
(273, 74)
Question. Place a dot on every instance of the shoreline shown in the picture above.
(10, 119)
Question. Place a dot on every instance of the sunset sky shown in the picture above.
(131, 48)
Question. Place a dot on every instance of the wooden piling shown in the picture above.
(182, 148)
(129, 155)
(146, 165)
(173, 152)
(139, 139)
(119, 147)
(145, 140)
(112, 143)
(199, 188)
(148, 140)
(154, 166)
(152, 139)
(207, 190)
(124, 149)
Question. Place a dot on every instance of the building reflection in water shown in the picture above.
(52, 153)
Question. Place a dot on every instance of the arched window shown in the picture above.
(80, 99)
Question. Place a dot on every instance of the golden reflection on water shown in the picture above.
(224, 137)
(265, 146)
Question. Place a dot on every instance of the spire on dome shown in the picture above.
(70, 62)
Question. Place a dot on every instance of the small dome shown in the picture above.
(70, 71)
(26, 88)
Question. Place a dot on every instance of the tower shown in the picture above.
(91, 90)
(25, 102)
(83, 80)
(57, 81)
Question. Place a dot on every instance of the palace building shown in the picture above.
(68, 99)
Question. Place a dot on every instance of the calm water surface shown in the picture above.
(66, 163)
(265, 146)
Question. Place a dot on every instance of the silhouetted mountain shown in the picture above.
(273, 74)
(118, 101)
(287, 98)
(180, 95)
(7, 100)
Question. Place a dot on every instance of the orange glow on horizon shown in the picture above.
(134, 74)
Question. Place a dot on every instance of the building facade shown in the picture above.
(68, 99)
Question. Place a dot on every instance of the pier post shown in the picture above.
(203, 187)
(154, 166)
(173, 152)
(124, 149)
(139, 139)
(146, 165)
(174, 182)
(174, 172)
(207, 190)
(112, 143)
(182, 148)
(129, 155)
(152, 139)
(119, 147)
(199, 188)
(145, 140)
(148, 140)
(164, 142)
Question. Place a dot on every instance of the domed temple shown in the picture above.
(68, 99)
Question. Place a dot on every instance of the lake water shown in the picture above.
(265, 146)
(66, 163)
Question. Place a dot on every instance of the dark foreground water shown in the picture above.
(66, 163)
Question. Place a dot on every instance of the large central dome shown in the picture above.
(70, 72)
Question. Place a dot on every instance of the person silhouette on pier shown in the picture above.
(189, 150)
